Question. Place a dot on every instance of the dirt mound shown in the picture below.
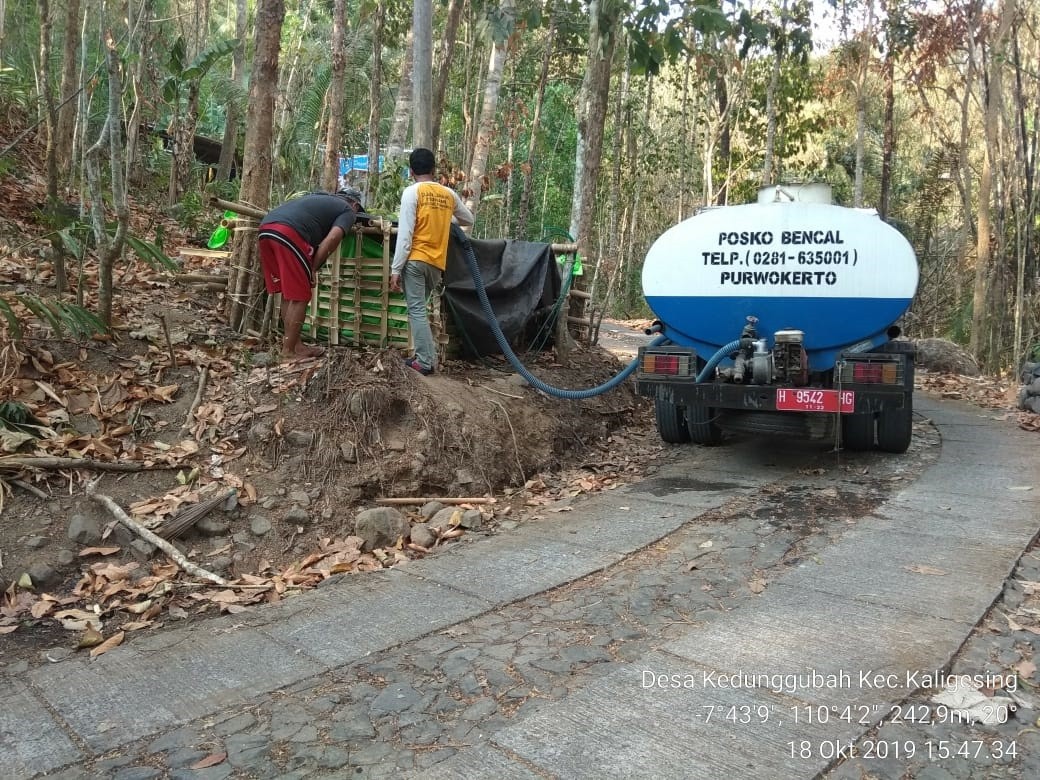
(378, 429)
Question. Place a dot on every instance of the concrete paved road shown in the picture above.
(695, 625)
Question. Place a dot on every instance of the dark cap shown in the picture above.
(352, 193)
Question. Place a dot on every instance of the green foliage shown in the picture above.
(182, 74)
(152, 254)
(61, 317)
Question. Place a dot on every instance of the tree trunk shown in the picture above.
(67, 111)
(50, 122)
(229, 145)
(422, 73)
(447, 51)
(725, 137)
(774, 84)
(109, 247)
(527, 168)
(982, 320)
(486, 126)
(375, 100)
(337, 91)
(595, 93)
(861, 105)
(285, 99)
(243, 312)
(403, 105)
(888, 143)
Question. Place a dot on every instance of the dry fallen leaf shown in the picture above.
(1025, 668)
(91, 637)
(8, 629)
(757, 585)
(211, 760)
(113, 641)
(921, 568)
(98, 551)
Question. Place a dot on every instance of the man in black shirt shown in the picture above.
(295, 240)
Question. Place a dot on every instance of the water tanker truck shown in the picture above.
(779, 317)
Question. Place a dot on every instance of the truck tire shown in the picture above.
(895, 427)
(703, 429)
(671, 422)
(857, 432)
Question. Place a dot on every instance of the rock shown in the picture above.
(348, 450)
(1034, 404)
(219, 565)
(472, 519)
(422, 535)
(56, 654)
(300, 497)
(396, 445)
(41, 574)
(213, 526)
(380, 527)
(141, 549)
(269, 503)
(442, 521)
(300, 438)
(84, 530)
(231, 504)
(430, 508)
(260, 525)
(36, 542)
(464, 476)
(65, 557)
(393, 699)
(260, 433)
(263, 359)
(509, 525)
(945, 356)
(297, 516)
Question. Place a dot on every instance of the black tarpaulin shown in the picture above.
(522, 282)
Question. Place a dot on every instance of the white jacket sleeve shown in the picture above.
(405, 228)
(462, 214)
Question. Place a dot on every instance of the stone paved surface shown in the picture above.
(527, 655)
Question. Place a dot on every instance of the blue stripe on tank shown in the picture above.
(830, 324)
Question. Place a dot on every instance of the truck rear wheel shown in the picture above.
(857, 431)
(700, 420)
(671, 422)
(895, 429)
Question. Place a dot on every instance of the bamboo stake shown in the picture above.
(238, 208)
(175, 555)
(427, 499)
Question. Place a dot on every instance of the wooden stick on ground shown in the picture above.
(175, 555)
(51, 462)
(169, 341)
(190, 419)
(427, 499)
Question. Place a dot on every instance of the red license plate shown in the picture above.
(815, 400)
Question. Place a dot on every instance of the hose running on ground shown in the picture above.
(503, 343)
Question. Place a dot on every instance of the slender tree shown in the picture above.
(422, 73)
(229, 146)
(375, 99)
(502, 28)
(337, 90)
(257, 164)
(447, 51)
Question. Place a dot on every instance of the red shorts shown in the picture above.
(286, 261)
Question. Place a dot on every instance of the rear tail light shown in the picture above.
(667, 364)
(873, 372)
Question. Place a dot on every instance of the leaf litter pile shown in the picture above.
(337, 432)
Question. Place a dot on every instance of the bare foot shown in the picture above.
(302, 352)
